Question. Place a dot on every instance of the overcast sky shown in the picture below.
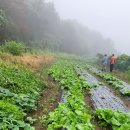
(109, 17)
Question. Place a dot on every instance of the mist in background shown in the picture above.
(77, 27)
(109, 17)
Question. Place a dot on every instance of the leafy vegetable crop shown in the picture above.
(22, 100)
(19, 79)
(72, 115)
(11, 117)
(108, 77)
(19, 91)
(126, 92)
(109, 118)
(10, 109)
(116, 119)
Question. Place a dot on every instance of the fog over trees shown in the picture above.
(37, 23)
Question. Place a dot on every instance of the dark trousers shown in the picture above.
(111, 67)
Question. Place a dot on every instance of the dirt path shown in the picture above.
(47, 103)
(50, 95)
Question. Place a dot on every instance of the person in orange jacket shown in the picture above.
(112, 62)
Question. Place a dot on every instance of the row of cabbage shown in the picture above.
(73, 114)
(19, 91)
(108, 118)
(112, 80)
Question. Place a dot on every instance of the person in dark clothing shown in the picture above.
(112, 62)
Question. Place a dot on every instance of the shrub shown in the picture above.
(19, 79)
(15, 48)
(10, 109)
(12, 117)
(3, 20)
(123, 62)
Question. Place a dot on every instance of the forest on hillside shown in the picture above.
(37, 23)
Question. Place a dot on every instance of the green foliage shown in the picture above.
(5, 26)
(11, 117)
(19, 91)
(44, 120)
(123, 62)
(45, 44)
(9, 123)
(10, 109)
(19, 79)
(116, 119)
(126, 92)
(23, 100)
(14, 48)
(3, 20)
(99, 55)
(73, 114)
(112, 80)
(51, 33)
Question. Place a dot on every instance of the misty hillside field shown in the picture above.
(51, 72)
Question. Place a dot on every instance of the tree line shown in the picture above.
(37, 23)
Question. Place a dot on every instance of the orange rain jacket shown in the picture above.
(113, 60)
